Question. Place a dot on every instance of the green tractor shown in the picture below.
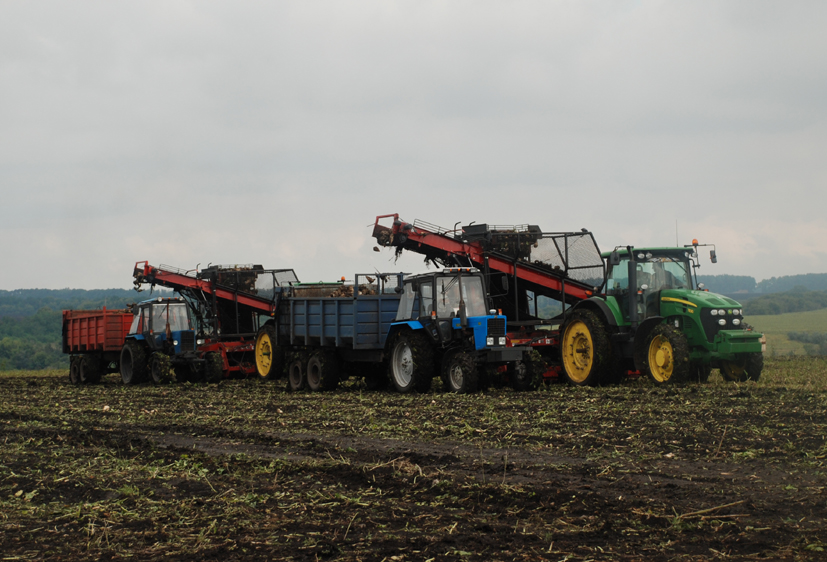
(653, 317)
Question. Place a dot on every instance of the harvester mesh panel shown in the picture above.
(576, 254)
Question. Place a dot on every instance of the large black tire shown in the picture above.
(667, 357)
(460, 371)
(411, 364)
(269, 356)
(296, 379)
(322, 371)
(585, 348)
(160, 369)
(74, 370)
(747, 367)
(213, 366)
(133, 363)
(91, 369)
(527, 374)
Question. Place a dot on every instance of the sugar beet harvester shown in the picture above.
(660, 322)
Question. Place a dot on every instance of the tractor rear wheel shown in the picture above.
(748, 367)
(411, 363)
(585, 348)
(91, 369)
(295, 375)
(667, 356)
(461, 372)
(322, 371)
(213, 366)
(160, 369)
(74, 370)
(269, 356)
(133, 363)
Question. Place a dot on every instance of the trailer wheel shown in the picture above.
(90, 369)
(269, 356)
(74, 370)
(748, 367)
(159, 368)
(461, 372)
(667, 356)
(213, 366)
(585, 348)
(295, 375)
(322, 371)
(412, 362)
(133, 363)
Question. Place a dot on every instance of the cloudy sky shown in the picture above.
(274, 132)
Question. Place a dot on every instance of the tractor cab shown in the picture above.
(449, 304)
(164, 324)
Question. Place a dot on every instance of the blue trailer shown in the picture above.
(386, 328)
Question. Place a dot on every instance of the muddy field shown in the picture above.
(243, 470)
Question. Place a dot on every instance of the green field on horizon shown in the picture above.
(777, 326)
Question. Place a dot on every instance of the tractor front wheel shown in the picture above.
(159, 368)
(411, 363)
(133, 363)
(527, 374)
(213, 366)
(667, 356)
(585, 348)
(748, 367)
(460, 371)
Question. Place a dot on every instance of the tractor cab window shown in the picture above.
(176, 313)
(406, 303)
(618, 278)
(448, 296)
(139, 323)
(426, 299)
(665, 273)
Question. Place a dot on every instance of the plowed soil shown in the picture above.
(245, 470)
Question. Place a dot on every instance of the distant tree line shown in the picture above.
(815, 343)
(797, 300)
(730, 284)
(31, 322)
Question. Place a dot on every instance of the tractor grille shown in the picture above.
(187, 341)
(711, 326)
(496, 327)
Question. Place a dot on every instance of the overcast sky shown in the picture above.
(274, 132)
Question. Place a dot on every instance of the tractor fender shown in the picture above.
(598, 306)
(397, 327)
(642, 338)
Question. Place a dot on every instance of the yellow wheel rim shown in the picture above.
(264, 354)
(578, 351)
(661, 359)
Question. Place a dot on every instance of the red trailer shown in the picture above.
(94, 339)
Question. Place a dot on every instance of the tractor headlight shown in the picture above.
(489, 341)
(502, 340)
(174, 342)
(199, 342)
(722, 321)
(736, 322)
(721, 312)
(737, 312)
(713, 312)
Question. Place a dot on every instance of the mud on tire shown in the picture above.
(460, 372)
(411, 364)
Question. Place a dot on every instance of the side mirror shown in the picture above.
(398, 290)
(713, 257)
(614, 258)
(505, 283)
